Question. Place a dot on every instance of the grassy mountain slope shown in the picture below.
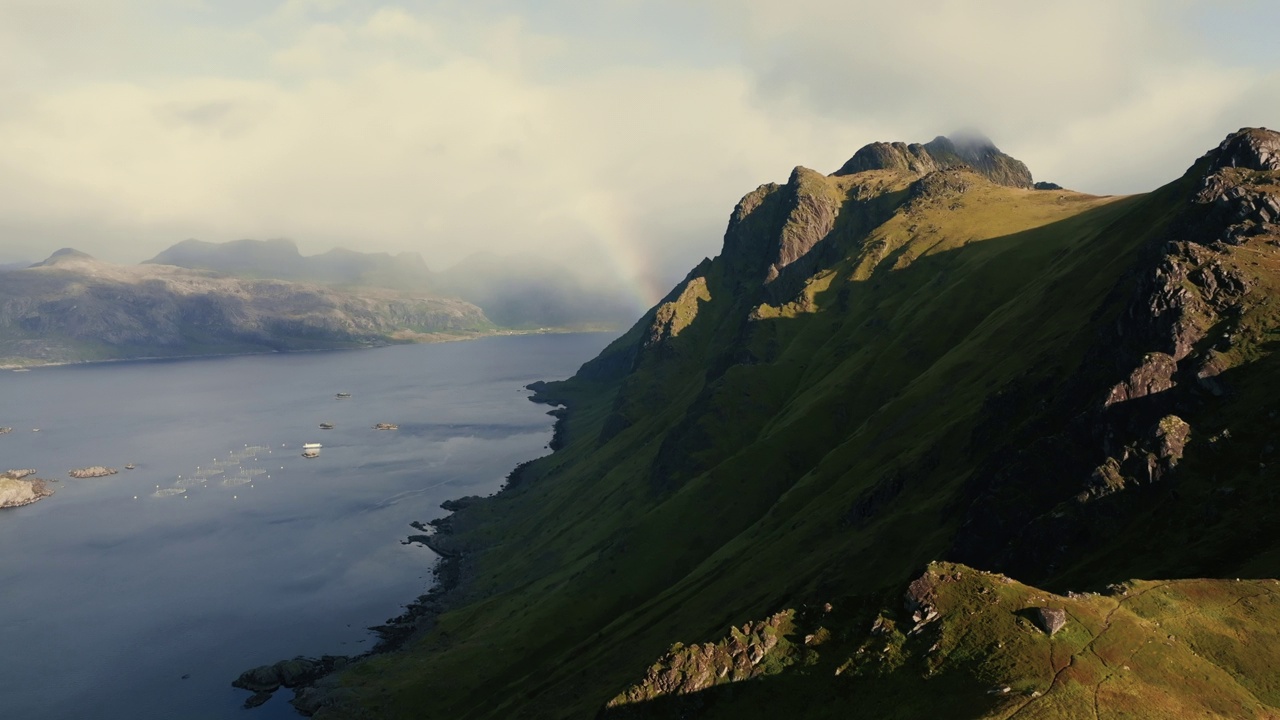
(886, 366)
(976, 646)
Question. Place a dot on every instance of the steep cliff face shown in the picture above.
(916, 358)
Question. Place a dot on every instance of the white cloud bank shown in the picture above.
(584, 132)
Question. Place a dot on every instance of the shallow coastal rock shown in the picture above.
(5, 430)
(92, 472)
(16, 492)
(266, 679)
(386, 426)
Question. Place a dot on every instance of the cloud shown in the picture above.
(582, 132)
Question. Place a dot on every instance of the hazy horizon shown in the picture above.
(612, 136)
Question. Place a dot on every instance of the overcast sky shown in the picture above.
(614, 133)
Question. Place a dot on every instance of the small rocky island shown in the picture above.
(92, 472)
(5, 430)
(16, 491)
(386, 426)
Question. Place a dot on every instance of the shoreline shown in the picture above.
(417, 339)
(314, 680)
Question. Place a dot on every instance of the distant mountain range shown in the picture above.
(254, 295)
(280, 260)
(74, 308)
(524, 291)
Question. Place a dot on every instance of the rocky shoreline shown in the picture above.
(16, 491)
(314, 681)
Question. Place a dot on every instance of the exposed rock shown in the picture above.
(1050, 620)
(92, 472)
(1249, 148)
(386, 426)
(890, 156)
(5, 430)
(970, 152)
(15, 492)
(673, 316)
(18, 474)
(690, 669)
(300, 671)
(812, 207)
(1154, 375)
(1042, 185)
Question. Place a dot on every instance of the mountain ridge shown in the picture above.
(882, 368)
(72, 307)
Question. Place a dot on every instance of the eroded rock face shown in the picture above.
(684, 670)
(812, 207)
(1249, 148)
(1154, 375)
(1147, 460)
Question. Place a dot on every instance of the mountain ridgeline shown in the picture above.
(514, 291)
(921, 441)
(75, 308)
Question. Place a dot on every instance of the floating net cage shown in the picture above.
(236, 481)
(168, 492)
(253, 472)
(190, 481)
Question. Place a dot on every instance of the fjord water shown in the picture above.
(116, 607)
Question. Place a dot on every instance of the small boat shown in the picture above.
(311, 446)
(326, 426)
(344, 395)
(130, 466)
(308, 454)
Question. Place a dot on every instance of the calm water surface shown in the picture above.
(110, 594)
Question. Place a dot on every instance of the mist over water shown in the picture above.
(107, 601)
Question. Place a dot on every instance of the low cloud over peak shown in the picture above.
(579, 131)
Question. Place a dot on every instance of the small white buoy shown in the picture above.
(233, 497)
(135, 497)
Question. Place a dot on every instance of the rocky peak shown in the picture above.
(969, 151)
(1248, 148)
(66, 256)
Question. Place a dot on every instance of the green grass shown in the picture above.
(783, 450)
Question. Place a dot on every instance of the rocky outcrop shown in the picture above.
(95, 471)
(1050, 620)
(673, 316)
(15, 491)
(1154, 375)
(972, 152)
(1046, 186)
(689, 669)
(264, 680)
